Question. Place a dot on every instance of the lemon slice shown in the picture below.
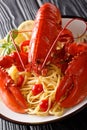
(25, 31)
(26, 25)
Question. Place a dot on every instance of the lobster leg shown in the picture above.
(10, 94)
(73, 86)
(8, 60)
(76, 48)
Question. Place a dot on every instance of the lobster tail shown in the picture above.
(47, 26)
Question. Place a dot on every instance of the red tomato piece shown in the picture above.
(20, 81)
(44, 105)
(37, 88)
(24, 44)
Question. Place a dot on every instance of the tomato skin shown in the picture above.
(44, 105)
(24, 44)
(20, 81)
(37, 88)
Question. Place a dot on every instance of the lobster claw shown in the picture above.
(10, 94)
(73, 87)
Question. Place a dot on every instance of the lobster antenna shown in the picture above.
(60, 35)
(17, 50)
(25, 31)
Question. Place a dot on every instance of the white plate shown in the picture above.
(7, 114)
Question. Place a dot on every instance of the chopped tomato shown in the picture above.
(24, 44)
(20, 81)
(37, 88)
(44, 105)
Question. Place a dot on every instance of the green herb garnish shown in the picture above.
(7, 46)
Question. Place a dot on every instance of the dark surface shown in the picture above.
(21, 10)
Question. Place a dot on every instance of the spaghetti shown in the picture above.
(50, 84)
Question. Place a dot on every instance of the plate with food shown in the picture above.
(43, 68)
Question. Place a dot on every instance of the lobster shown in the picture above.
(43, 50)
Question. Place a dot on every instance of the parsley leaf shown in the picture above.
(7, 46)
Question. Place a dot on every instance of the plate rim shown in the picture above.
(44, 122)
(54, 120)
